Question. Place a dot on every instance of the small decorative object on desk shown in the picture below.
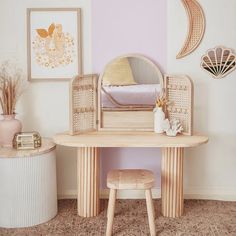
(159, 115)
(12, 84)
(27, 140)
(172, 128)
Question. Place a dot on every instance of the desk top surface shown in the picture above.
(128, 139)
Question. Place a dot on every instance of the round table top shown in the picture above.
(47, 146)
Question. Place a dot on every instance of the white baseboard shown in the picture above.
(211, 193)
(67, 194)
(221, 194)
(130, 194)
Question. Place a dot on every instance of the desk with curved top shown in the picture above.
(88, 165)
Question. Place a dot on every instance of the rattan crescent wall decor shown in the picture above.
(196, 27)
(83, 104)
(179, 93)
(219, 62)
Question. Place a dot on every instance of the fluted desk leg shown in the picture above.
(88, 163)
(172, 182)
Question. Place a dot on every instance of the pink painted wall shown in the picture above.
(121, 27)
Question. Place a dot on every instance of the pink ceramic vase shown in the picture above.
(8, 127)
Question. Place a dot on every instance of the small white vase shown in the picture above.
(159, 117)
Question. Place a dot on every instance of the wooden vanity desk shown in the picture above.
(119, 106)
(88, 161)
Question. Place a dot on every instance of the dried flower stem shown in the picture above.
(161, 100)
(12, 86)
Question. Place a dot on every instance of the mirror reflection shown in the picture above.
(130, 83)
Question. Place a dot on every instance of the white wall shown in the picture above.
(44, 107)
(210, 169)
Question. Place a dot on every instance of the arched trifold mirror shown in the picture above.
(127, 91)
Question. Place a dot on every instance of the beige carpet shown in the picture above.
(211, 218)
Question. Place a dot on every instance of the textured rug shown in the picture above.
(213, 218)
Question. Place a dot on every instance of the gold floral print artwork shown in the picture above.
(53, 48)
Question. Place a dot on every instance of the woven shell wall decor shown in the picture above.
(196, 27)
(219, 62)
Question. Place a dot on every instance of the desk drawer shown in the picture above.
(128, 120)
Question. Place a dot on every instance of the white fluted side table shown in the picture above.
(28, 190)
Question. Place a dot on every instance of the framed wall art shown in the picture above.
(54, 43)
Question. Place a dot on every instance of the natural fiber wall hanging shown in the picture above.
(179, 93)
(196, 27)
(83, 104)
(219, 62)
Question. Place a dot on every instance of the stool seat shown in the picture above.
(130, 179)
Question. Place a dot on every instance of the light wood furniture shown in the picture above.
(130, 117)
(172, 181)
(88, 113)
(196, 29)
(178, 90)
(143, 120)
(88, 163)
(131, 180)
(172, 164)
(83, 104)
(179, 93)
(28, 192)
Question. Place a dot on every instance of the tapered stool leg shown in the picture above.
(88, 163)
(111, 211)
(172, 182)
(151, 213)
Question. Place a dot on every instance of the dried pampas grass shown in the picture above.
(12, 85)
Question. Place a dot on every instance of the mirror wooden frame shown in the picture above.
(130, 119)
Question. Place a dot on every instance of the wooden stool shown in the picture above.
(130, 180)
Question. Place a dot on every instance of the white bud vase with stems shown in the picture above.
(159, 117)
(8, 127)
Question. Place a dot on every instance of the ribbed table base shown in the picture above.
(88, 163)
(28, 190)
(172, 182)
